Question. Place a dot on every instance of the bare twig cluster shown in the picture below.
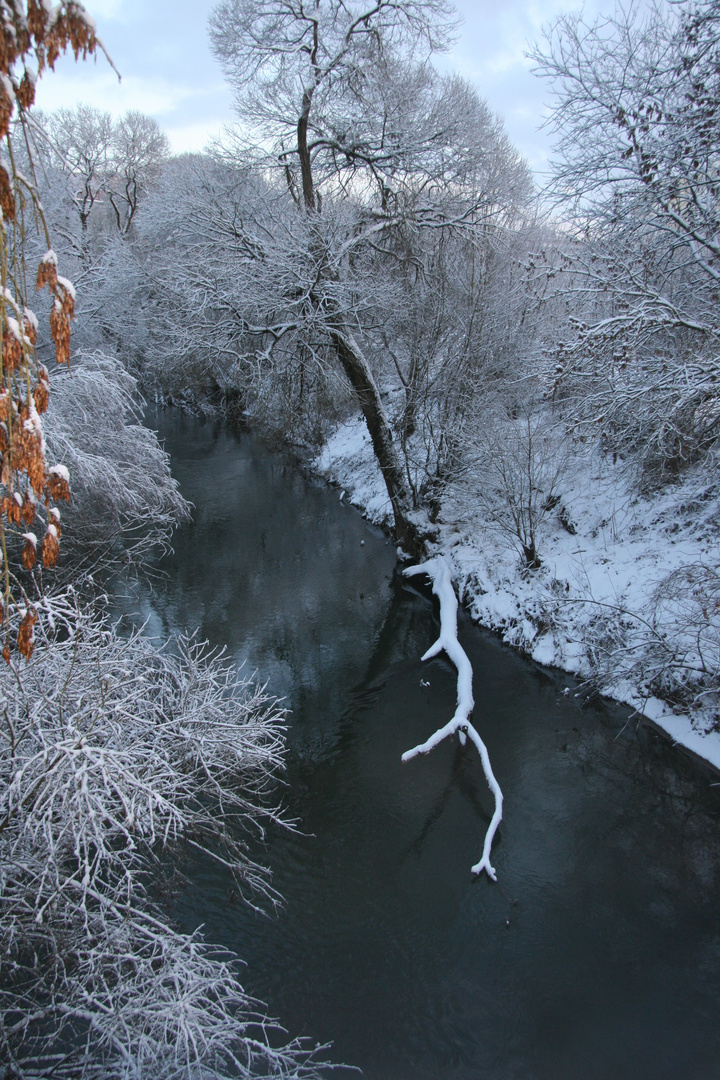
(116, 760)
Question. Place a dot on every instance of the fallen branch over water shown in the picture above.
(438, 571)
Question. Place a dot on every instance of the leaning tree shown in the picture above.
(365, 151)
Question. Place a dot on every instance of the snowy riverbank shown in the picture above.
(614, 602)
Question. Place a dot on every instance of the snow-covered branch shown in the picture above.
(438, 571)
(116, 760)
(120, 474)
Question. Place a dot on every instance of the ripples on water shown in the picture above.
(597, 957)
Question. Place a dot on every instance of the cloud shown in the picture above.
(173, 103)
(490, 53)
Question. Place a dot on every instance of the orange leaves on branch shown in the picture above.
(37, 18)
(14, 35)
(63, 309)
(7, 104)
(11, 353)
(50, 546)
(71, 25)
(47, 31)
(33, 34)
(29, 552)
(11, 509)
(29, 457)
(7, 199)
(58, 484)
(41, 393)
(60, 331)
(25, 93)
(30, 327)
(26, 632)
(47, 271)
(44, 32)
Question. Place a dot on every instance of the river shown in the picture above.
(597, 954)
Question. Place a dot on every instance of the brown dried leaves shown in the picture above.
(44, 33)
(26, 632)
(7, 197)
(33, 34)
(63, 309)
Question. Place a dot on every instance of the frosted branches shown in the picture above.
(121, 475)
(438, 571)
(115, 761)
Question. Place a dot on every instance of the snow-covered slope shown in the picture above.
(616, 600)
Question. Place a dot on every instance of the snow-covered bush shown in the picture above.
(120, 475)
(115, 756)
(513, 469)
(672, 651)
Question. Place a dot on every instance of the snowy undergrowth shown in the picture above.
(627, 598)
(118, 760)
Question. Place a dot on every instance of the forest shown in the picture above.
(363, 269)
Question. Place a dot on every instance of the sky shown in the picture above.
(161, 49)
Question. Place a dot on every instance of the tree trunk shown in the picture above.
(304, 155)
(356, 367)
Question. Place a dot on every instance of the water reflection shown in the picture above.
(597, 956)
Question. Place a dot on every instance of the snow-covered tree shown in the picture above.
(139, 150)
(80, 141)
(115, 758)
(94, 175)
(109, 164)
(351, 157)
(636, 172)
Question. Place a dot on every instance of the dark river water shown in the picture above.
(597, 954)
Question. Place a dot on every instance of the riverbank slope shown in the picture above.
(624, 599)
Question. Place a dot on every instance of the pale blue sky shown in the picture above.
(161, 49)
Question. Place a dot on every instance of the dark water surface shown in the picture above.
(596, 957)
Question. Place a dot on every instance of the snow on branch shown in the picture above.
(118, 761)
(438, 571)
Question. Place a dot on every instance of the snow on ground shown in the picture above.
(596, 585)
(347, 459)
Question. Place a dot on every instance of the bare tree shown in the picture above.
(109, 164)
(303, 75)
(636, 172)
(513, 463)
(139, 150)
(82, 139)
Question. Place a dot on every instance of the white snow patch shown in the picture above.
(347, 459)
(67, 286)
